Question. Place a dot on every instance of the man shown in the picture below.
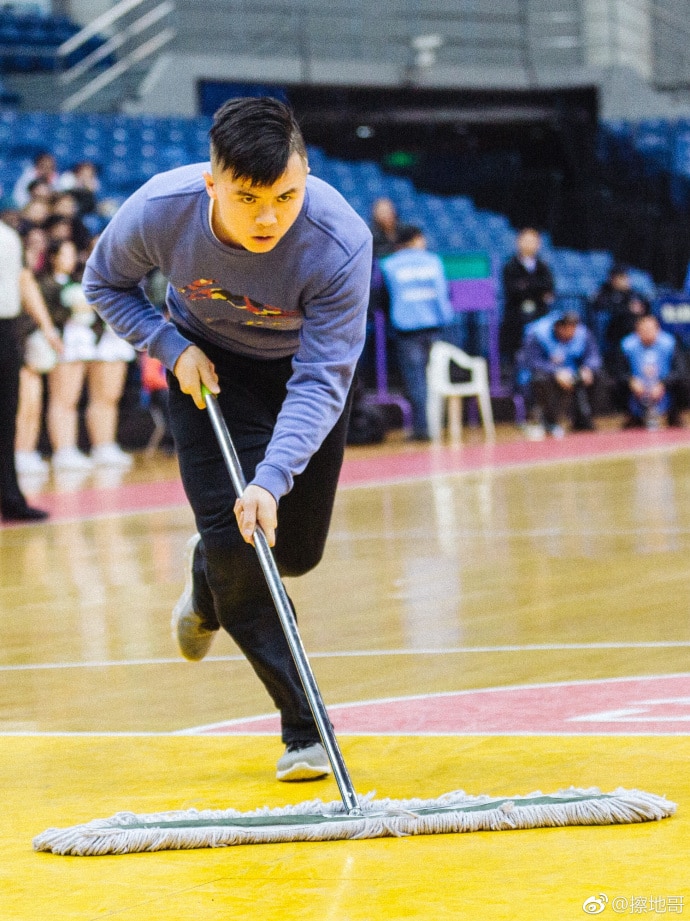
(419, 308)
(527, 291)
(560, 360)
(652, 369)
(269, 280)
(619, 307)
(17, 288)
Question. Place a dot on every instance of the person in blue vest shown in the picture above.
(420, 308)
(560, 362)
(652, 367)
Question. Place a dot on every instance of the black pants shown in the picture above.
(555, 401)
(229, 586)
(11, 497)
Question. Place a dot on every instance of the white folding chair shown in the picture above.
(441, 388)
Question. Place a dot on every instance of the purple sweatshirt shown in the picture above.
(306, 298)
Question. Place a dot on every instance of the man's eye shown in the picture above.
(286, 197)
(248, 199)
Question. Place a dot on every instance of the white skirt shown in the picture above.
(79, 344)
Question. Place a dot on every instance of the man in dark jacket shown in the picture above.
(619, 307)
(527, 290)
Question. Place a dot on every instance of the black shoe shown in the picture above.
(23, 513)
(633, 422)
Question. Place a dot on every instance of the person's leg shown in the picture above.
(29, 411)
(229, 588)
(677, 401)
(413, 356)
(106, 381)
(65, 383)
(13, 505)
(582, 416)
(547, 397)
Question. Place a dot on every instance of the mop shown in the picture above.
(355, 816)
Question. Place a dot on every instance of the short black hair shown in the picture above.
(254, 137)
(408, 233)
(567, 318)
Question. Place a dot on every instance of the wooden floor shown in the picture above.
(499, 619)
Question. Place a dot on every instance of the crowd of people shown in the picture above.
(566, 362)
(561, 360)
(57, 346)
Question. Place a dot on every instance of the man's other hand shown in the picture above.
(255, 506)
(192, 369)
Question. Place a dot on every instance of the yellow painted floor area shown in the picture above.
(536, 875)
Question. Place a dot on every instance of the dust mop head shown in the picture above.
(126, 833)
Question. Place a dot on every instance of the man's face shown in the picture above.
(528, 244)
(256, 217)
(620, 282)
(565, 331)
(648, 330)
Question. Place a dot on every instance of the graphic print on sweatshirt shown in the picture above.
(209, 302)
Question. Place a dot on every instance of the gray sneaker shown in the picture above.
(192, 639)
(303, 762)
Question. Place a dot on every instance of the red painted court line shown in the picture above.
(378, 468)
(128, 497)
(650, 705)
(430, 461)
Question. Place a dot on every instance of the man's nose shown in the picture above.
(266, 216)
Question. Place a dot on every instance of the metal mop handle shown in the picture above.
(287, 618)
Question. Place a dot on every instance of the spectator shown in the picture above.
(34, 214)
(83, 182)
(15, 288)
(560, 362)
(619, 308)
(65, 210)
(654, 372)
(43, 167)
(39, 190)
(528, 292)
(35, 247)
(385, 227)
(91, 352)
(419, 309)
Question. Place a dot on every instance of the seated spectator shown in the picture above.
(419, 309)
(527, 291)
(44, 168)
(619, 307)
(559, 362)
(654, 372)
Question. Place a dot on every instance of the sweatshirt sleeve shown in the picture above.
(331, 341)
(113, 285)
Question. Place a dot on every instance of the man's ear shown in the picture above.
(210, 185)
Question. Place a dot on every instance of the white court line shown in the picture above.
(360, 653)
(204, 730)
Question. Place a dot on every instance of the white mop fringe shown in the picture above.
(457, 812)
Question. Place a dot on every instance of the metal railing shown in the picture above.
(127, 27)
